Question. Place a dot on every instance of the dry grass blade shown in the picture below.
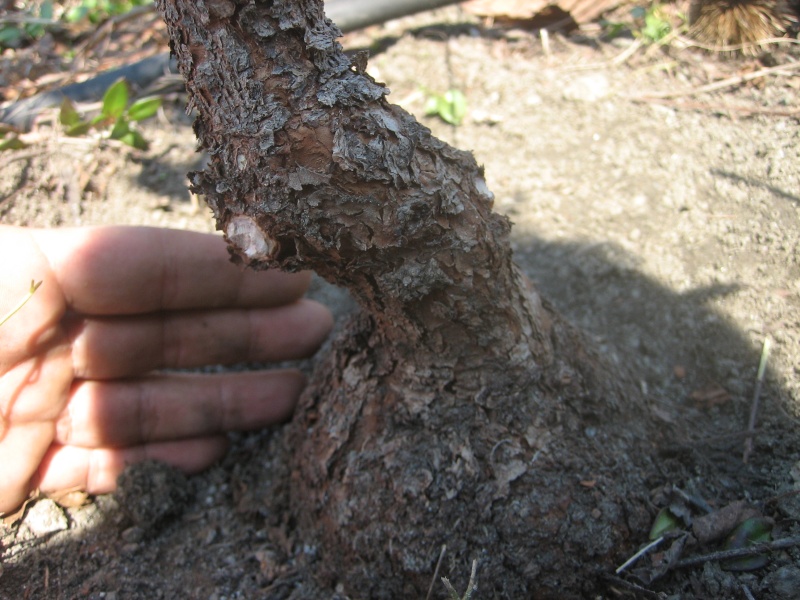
(751, 425)
(21, 303)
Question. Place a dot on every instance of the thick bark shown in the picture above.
(453, 409)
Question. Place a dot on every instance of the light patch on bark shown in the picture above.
(244, 233)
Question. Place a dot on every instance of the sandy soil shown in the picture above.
(666, 228)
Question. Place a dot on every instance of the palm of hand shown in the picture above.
(81, 394)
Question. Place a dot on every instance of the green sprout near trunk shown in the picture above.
(114, 114)
(450, 107)
(98, 10)
(656, 24)
(30, 27)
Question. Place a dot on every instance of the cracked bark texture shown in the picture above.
(457, 408)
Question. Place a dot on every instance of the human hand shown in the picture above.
(80, 395)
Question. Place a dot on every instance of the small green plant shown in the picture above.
(114, 114)
(450, 107)
(648, 25)
(614, 29)
(748, 533)
(21, 303)
(664, 522)
(12, 142)
(30, 26)
(98, 10)
(656, 23)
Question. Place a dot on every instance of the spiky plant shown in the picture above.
(727, 25)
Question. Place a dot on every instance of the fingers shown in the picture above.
(171, 418)
(131, 270)
(20, 453)
(96, 470)
(123, 347)
(32, 395)
(176, 406)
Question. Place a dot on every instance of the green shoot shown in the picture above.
(21, 303)
(748, 533)
(656, 24)
(12, 143)
(651, 25)
(14, 35)
(613, 29)
(114, 114)
(664, 522)
(96, 11)
(450, 107)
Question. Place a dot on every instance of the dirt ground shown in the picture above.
(661, 219)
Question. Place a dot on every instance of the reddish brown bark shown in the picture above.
(458, 408)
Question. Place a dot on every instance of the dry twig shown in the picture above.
(436, 571)
(753, 550)
(638, 555)
(751, 425)
(747, 593)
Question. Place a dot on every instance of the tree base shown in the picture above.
(536, 476)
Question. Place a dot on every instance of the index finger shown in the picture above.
(128, 270)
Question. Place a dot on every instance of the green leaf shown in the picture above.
(36, 30)
(656, 26)
(78, 129)
(665, 521)
(13, 143)
(638, 12)
(752, 531)
(135, 139)
(144, 108)
(46, 10)
(68, 116)
(76, 13)
(451, 106)
(115, 100)
(432, 105)
(100, 120)
(10, 36)
(454, 108)
(121, 129)
(6, 128)
(613, 29)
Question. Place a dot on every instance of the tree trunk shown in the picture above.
(457, 408)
